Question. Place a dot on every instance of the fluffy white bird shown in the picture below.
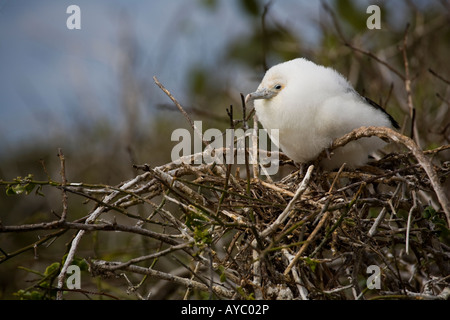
(311, 106)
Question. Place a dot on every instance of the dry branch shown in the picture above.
(387, 133)
(299, 241)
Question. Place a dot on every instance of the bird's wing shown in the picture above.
(377, 106)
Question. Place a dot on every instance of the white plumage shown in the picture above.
(311, 106)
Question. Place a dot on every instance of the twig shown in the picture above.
(339, 289)
(255, 149)
(283, 216)
(245, 124)
(371, 55)
(377, 222)
(412, 110)
(307, 242)
(178, 105)
(63, 184)
(266, 39)
(189, 283)
(173, 183)
(80, 234)
(439, 76)
(408, 225)
(387, 133)
(302, 290)
(348, 44)
(337, 27)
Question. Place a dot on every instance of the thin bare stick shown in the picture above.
(382, 213)
(337, 27)
(63, 183)
(377, 222)
(255, 148)
(283, 216)
(387, 133)
(257, 276)
(412, 110)
(439, 76)
(302, 290)
(278, 189)
(75, 242)
(178, 105)
(371, 55)
(408, 226)
(220, 291)
(307, 242)
(348, 44)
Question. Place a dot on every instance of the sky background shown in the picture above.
(52, 79)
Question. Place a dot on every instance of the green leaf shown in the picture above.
(23, 185)
(250, 6)
(223, 276)
(38, 191)
(428, 213)
(80, 263)
(18, 188)
(10, 190)
(312, 264)
(29, 187)
(29, 295)
(51, 269)
(202, 236)
(36, 295)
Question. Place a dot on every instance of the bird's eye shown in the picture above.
(278, 87)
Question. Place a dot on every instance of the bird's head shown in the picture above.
(272, 85)
(291, 84)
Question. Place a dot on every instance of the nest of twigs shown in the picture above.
(226, 232)
(375, 232)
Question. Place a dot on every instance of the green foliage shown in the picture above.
(199, 81)
(44, 288)
(223, 276)
(439, 222)
(23, 185)
(197, 222)
(251, 7)
(29, 295)
(351, 14)
(275, 42)
(311, 263)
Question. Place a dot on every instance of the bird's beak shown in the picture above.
(262, 93)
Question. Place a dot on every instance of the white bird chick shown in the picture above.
(311, 106)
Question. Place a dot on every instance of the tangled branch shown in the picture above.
(308, 236)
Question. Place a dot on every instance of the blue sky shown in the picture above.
(52, 77)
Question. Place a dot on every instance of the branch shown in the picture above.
(63, 183)
(439, 76)
(283, 216)
(101, 265)
(273, 227)
(178, 105)
(90, 220)
(387, 133)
